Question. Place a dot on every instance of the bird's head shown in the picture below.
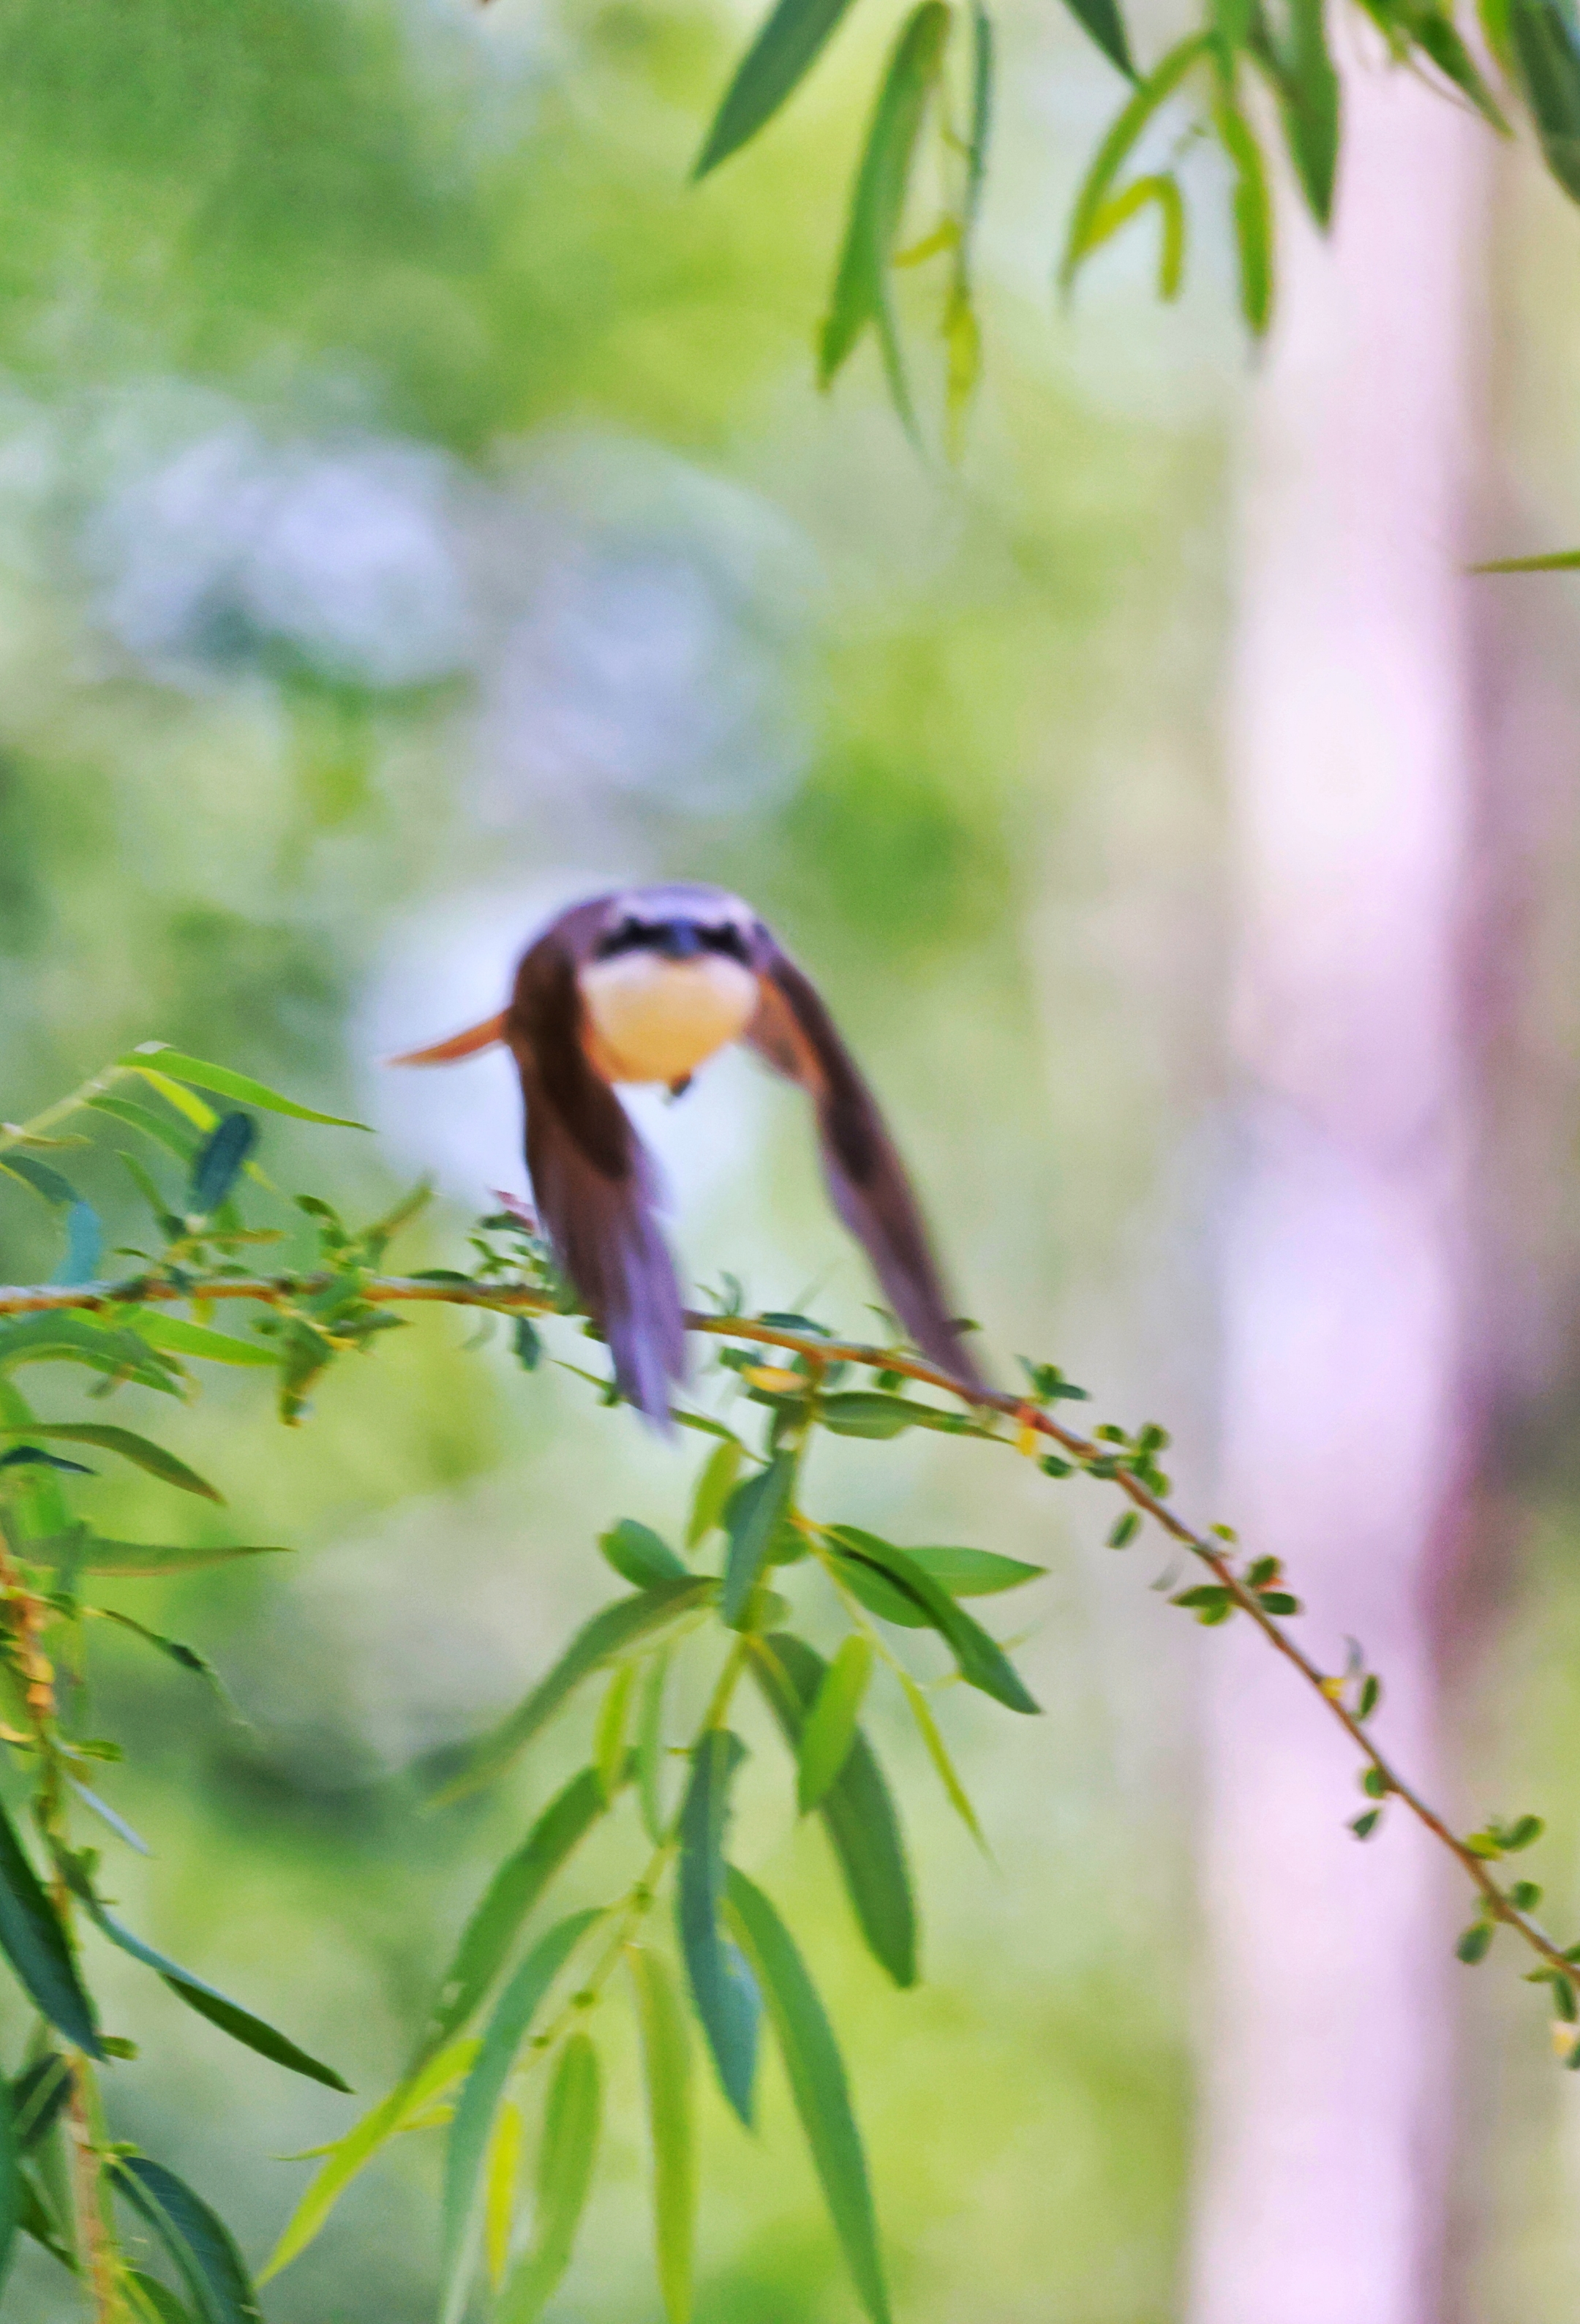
(676, 924)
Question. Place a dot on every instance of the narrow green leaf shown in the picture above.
(512, 1894)
(1252, 208)
(961, 334)
(650, 1745)
(84, 1245)
(1493, 16)
(817, 2084)
(638, 1556)
(787, 47)
(90, 1553)
(180, 1338)
(982, 74)
(700, 1422)
(1545, 39)
(107, 1815)
(28, 1456)
(1555, 560)
(131, 1447)
(975, 1572)
(1119, 143)
(1307, 83)
(937, 1751)
(752, 1519)
(153, 2302)
(830, 1728)
(45, 1182)
(46, 2202)
(164, 1217)
(49, 2199)
(1102, 21)
(410, 2100)
(609, 1754)
(1161, 192)
(612, 1632)
(501, 2171)
(722, 1991)
(219, 1162)
(473, 2126)
(37, 1947)
(252, 2033)
(788, 1546)
(187, 1102)
(42, 1503)
(9, 2177)
(666, 2057)
(178, 1651)
(869, 1412)
(37, 2099)
(857, 1811)
(714, 1487)
(35, 2220)
(874, 1413)
(877, 206)
(172, 1135)
(1233, 22)
(196, 2238)
(31, 1135)
(1475, 1942)
(172, 1064)
(76, 1339)
(565, 2175)
(982, 1662)
(1438, 37)
(879, 1595)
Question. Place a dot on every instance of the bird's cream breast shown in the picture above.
(657, 1020)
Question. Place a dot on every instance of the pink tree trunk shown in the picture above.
(1329, 2034)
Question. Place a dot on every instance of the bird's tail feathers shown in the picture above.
(476, 1038)
(610, 1245)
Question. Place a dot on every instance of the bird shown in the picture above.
(645, 985)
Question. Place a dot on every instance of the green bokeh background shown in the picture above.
(970, 773)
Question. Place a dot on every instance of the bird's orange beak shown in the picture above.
(458, 1045)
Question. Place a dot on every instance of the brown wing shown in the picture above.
(592, 1178)
(866, 1178)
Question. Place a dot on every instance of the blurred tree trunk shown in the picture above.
(1349, 1420)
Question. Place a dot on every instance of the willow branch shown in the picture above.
(284, 1290)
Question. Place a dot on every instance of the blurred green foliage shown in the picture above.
(290, 223)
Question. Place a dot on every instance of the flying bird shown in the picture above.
(645, 985)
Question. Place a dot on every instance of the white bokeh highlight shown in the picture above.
(344, 553)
